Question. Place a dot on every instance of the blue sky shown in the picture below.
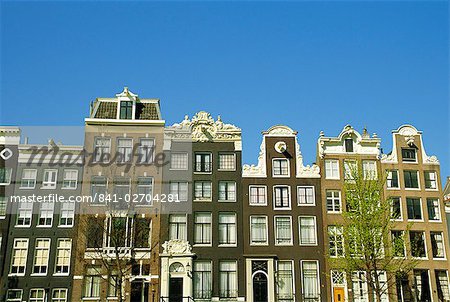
(311, 65)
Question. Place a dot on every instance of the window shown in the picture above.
(403, 287)
(310, 280)
(28, 179)
(398, 244)
(334, 201)
(145, 188)
(124, 150)
(258, 230)
(369, 169)
(283, 230)
(70, 179)
(41, 254)
(442, 285)
(285, 281)
(118, 231)
(179, 190)
(59, 295)
(37, 295)
(396, 208)
(142, 231)
(94, 233)
(437, 245)
(414, 207)
(422, 284)
(121, 188)
(24, 214)
(417, 241)
(411, 179)
(177, 226)
(305, 196)
(63, 251)
(258, 195)
(227, 228)
(308, 230)
(202, 280)
(350, 169)
(102, 149)
(382, 279)
(202, 228)
(92, 281)
(434, 212)
(46, 214)
(227, 161)
(202, 190)
(331, 169)
(98, 188)
(336, 240)
(126, 110)
(5, 176)
(280, 167)
(49, 181)
(14, 295)
(359, 283)
(19, 256)
(348, 145)
(146, 150)
(203, 162)
(409, 155)
(227, 191)
(430, 180)
(3, 205)
(392, 179)
(179, 161)
(282, 197)
(113, 284)
(228, 279)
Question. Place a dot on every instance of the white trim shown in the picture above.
(418, 180)
(315, 231)
(227, 153)
(250, 195)
(313, 195)
(345, 285)
(424, 241)
(35, 179)
(291, 243)
(401, 218)
(338, 169)
(317, 274)
(274, 198)
(44, 185)
(421, 209)
(267, 230)
(288, 167)
(443, 246)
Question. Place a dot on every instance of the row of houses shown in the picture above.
(148, 212)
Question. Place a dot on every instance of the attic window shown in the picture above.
(348, 145)
(126, 110)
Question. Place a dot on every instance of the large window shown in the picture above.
(126, 110)
(202, 280)
(417, 241)
(308, 230)
(411, 179)
(59, 295)
(102, 149)
(28, 179)
(98, 188)
(434, 212)
(228, 279)
(14, 295)
(331, 169)
(285, 281)
(336, 241)
(392, 179)
(37, 295)
(360, 290)
(280, 167)
(203, 162)
(203, 190)
(258, 230)
(282, 197)
(70, 179)
(50, 177)
(305, 196)
(310, 281)
(179, 190)
(227, 161)
(41, 255)
(124, 150)
(5, 176)
(177, 226)
(24, 214)
(146, 150)
(227, 191)
(437, 245)
(19, 256)
(92, 281)
(283, 230)
(409, 155)
(423, 286)
(63, 251)
(227, 228)
(430, 180)
(142, 232)
(334, 201)
(442, 285)
(396, 208)
(258, 195)
(370, 169)
(46, 214)
(414, 207)
(202, 228)
(179, 161)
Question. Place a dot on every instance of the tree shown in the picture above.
(370, 245)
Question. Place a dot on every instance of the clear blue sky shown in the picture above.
(311, 65)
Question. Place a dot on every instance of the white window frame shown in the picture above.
(330, 163)
(435, 180)
(49, 184)
(317, 275)
(300, 231)
(365, 286)
(185, 233)
(421, 209)
(67, 211)
(448, 281)
(289, 197)
(252, 243)
(34, 171)
(185, 159)
(177, 193)
(424, 242)
(36, 256)
(333, 199)
(291, 242)
(404, 243)
(250, 195)
(59, 299)
(196, 224)
(24, 211)
(220, 161)
(14, 300)
(144, 155)
(418, 180)
(13, 256)
(367, 166)
(288, 168)
(8, 176)
(105, 149)
(293, 279)
(306, 196)
(67, 255)
(3, 206)
(401, 209)
(348, 165)
(443, 245)
(38, 290)
(338, 231)
(46, 211)
(70, 180)
(124, 152)
(202, 198)
(391, 172)
(234, 214)
(438, 210)
(227, 191)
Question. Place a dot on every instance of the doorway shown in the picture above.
(260, 293)
(176, 290)
(338, 294)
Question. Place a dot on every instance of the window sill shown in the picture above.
(259, 244)
(61, 274)
(412, 189)
(44, 226)
(258, 204)
(38, 275)
(309, 244)
(226, 201)
(334, 212)
(68, 188)
(306, 204)
(392, 188)
(227, 245)
(226, 170)
(27, 188)
(202, 245)
(16, 275)
(23, 226)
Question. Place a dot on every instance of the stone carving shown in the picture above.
(260, 169)
(176, 246)
(431, 159)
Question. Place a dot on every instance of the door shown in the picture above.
(338, 294)
(260, 287)
(139, 291)
(176, 290)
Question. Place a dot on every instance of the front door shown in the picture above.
(338, 294)
(139, 291)
(260, 287)
(176, 290)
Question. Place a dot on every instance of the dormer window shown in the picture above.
(348, 145)
(126, 110)
(409, 155)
